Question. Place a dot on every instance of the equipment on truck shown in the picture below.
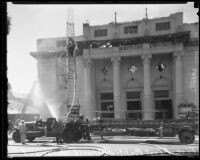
(70, 132)
(185, 128)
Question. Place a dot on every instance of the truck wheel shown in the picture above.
(186, 137)
(16, 136)
(30, 138)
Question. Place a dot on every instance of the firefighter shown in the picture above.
(99, 121)
(39, 122)
(71, 46)
(161, 130)
(22, 130)
(84, 127)
(59, 128)
(87, 130)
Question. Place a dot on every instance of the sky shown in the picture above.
(31, 22)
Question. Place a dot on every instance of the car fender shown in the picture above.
(187, 128)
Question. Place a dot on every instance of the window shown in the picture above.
(100, 33)
(106, 96)
(133, 105)
(130, 29)
(133, 95)
(61, 43)
(107, 105)
(161, 94)
(162, 26)
(163, 104)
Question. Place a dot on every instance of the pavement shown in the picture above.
(109, 146)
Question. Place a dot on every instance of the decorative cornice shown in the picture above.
(45, 55)
(178, 54)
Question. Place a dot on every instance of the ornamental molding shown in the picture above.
(146, 58)
(115, 61)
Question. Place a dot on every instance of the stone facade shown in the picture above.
(104, 79)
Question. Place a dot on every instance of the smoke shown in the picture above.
(52, 108)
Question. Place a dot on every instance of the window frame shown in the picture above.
(106, 100)
(162, 98)
(130, 115)
(161, 28)
(97, 32)
(128, 28)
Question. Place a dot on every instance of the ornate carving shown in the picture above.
(146, 58)
(116, 61)
(105, 70)
(178, 55)
(132, 69)
(160, 67)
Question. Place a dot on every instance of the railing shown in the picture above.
(161, 44)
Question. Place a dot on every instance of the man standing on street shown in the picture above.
(22, 130)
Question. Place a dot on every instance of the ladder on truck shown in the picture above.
(70, 64)
(72, 94)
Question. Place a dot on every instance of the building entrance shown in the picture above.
(165, 108)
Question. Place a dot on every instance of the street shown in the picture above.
(109, 146)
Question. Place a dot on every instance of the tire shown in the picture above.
(30, 138)
(16, 136)
(71, 135)
(186, 137)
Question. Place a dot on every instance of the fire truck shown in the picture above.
(186, 127)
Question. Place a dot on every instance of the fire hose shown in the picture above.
(74, 88)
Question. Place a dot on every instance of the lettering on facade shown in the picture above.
(160, 44)
(130, 47)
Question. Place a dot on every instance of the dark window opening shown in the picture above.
(165, 109)
(100, 33)
(161, 94)
(162, 26)
(134, 110)
(106, 96)
(133, 95)
(130, 29)
(107, 107)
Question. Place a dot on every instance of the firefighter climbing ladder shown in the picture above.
(71, 84)
(70, 65)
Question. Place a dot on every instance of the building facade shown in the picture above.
(132, 70)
